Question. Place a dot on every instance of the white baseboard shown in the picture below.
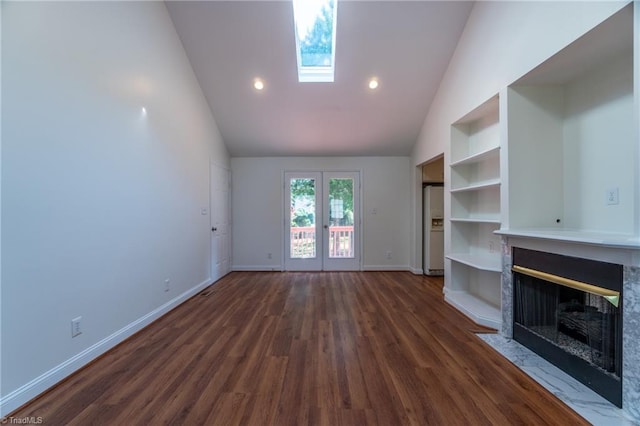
(35, 387)
(257, 268)
(386, 268)
(417, 271)
(278, 268)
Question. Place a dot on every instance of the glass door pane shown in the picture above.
(303, 218)
(341, 237)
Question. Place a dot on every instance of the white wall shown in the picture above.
(1, 133)
(258, 203)
(100, 202)
(599, 131)
(502, 41)
(636, 105)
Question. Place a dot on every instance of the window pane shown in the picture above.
(315, 39)
(303, 218)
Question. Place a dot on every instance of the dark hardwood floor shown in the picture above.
(351, 348)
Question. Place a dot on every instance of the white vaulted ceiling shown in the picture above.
(406, 45)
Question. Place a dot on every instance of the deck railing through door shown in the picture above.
(340, 241)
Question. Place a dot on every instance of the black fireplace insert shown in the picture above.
(569, 311)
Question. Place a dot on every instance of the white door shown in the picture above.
(322, 225)
(303, 208)
(219, 207)
(341, 214)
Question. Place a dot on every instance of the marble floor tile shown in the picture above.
(594, 408)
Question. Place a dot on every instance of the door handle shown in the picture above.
(214, 229)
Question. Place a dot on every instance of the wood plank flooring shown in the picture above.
(335, 348)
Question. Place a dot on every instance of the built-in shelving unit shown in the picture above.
(555, 157)
(473, 266)
(573, 143)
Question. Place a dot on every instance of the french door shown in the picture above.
(322, 225)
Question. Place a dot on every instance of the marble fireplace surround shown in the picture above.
(627, 255)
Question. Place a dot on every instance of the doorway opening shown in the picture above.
(433, 217)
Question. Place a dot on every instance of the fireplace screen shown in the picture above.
(581, 323)
(573, 324)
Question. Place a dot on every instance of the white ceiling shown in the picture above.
(405, 44)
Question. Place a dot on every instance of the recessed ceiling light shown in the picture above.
(373, 83)
(258, 84)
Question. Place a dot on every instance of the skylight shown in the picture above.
(315, 28)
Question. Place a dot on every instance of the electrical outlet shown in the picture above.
(612, 196)
(167, 285)
(269, 256)
(388, 255)
(76, 330)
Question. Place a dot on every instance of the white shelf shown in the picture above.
(475, 308)
(476, 220)
(482, 262)
(478, 157)
(478, 186)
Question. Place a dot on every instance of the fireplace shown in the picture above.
(569, 311)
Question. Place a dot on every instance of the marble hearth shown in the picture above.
(626, 254)
(593, 407)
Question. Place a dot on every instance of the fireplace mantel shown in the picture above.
(603, 239)
(606, 247)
